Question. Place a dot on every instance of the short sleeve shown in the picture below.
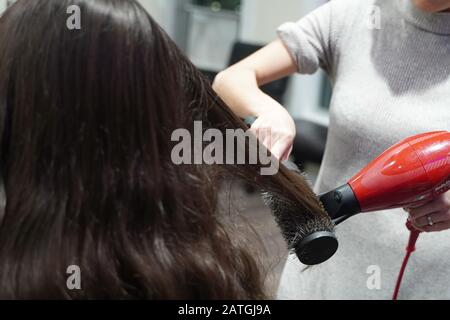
(308, 40)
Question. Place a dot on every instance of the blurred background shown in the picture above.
(217, 33)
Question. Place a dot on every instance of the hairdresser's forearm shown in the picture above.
(239, 85)
(239, 88)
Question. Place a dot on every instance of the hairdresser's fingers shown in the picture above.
(281, 149)
(266, 138)
(287, 154)
(256, 133)
(271, 142)
(263, 137)
(437, 227)
(440, 204)
(259, 135)
(436, 217)
(278, 151)
(276, 130)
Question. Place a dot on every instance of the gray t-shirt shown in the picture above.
(389, 83)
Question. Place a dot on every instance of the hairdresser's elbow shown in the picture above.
(221, 81)
(232, 79)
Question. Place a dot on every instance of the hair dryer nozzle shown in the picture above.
(340, 204)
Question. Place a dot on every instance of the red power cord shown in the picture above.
(414, 236)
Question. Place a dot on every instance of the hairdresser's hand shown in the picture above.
(432, 217)
(275, 128)
(239, 86)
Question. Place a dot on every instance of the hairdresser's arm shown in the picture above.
(239, 87)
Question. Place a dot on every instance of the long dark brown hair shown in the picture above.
(86, 120)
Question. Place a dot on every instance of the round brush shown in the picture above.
(309, 236)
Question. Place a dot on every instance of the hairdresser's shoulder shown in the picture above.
(353, 6)
(345, 14)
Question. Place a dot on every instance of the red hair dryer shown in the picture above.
(411, 173)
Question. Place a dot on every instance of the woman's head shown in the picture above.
(86, 118)
(433, 5)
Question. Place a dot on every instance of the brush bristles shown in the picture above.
(295, 225)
